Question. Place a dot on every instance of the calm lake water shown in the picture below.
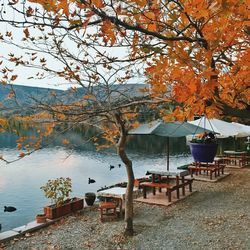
(20, 181)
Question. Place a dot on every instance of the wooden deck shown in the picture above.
(161, 198)
(204, 177)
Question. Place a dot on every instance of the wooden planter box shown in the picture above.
(72, 205)
(76, 204)
(53, 212)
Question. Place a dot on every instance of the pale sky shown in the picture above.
(24, 73)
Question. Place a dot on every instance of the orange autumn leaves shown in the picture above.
(108, 33)
(3, 124)
(40, 135)
(27, 144)
(235, 84)
(195, 41)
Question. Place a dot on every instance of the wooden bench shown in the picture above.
(241, 160)
(182, 183)
(169, 188)
(210, 169)
(227, 160)
(244, 161)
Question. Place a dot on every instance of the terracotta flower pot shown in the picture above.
(41, 218)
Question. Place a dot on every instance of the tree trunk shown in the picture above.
(130, 174)
(129, 192)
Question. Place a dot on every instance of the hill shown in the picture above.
(17, 99)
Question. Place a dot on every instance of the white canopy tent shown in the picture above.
(245, 129)
(223, 129)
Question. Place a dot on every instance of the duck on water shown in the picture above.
(91, 181)
(9, 209)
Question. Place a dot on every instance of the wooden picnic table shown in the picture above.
(116, 193)
(235, 157)
(161, 179)
(216, 168)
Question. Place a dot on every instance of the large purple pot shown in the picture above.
(203, 152)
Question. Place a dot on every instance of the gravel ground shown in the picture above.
(215, 217)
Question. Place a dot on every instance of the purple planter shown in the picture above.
(203, 152)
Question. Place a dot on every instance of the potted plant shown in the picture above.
(90, 198)
(204, 147)
(58, 191)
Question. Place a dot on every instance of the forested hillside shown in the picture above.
(20, 99)
(17, 99)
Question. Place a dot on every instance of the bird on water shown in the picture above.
(9, 209)
(91, 181)
(111, 167)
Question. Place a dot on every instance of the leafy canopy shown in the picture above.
(194, 53)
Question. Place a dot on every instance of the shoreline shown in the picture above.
(215, 217)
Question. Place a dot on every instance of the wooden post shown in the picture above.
(183, 185)
(177, 185)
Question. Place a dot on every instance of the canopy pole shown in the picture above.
(167, 153)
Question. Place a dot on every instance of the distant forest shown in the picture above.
(21, 100)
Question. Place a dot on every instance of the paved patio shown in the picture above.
(161, 198)
(205, 177)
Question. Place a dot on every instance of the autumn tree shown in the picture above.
(104, 100)
(196, 51)
(193, 53)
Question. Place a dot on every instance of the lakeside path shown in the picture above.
(215, 217)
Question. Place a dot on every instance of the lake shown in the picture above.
(20, 181)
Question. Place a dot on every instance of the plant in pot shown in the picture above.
(58, 191)
(203, 147)
(90, 198)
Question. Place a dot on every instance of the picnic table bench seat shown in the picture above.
(210, 169)
(241, 160)
(170, 187)
(227, 160)
(244, 161)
